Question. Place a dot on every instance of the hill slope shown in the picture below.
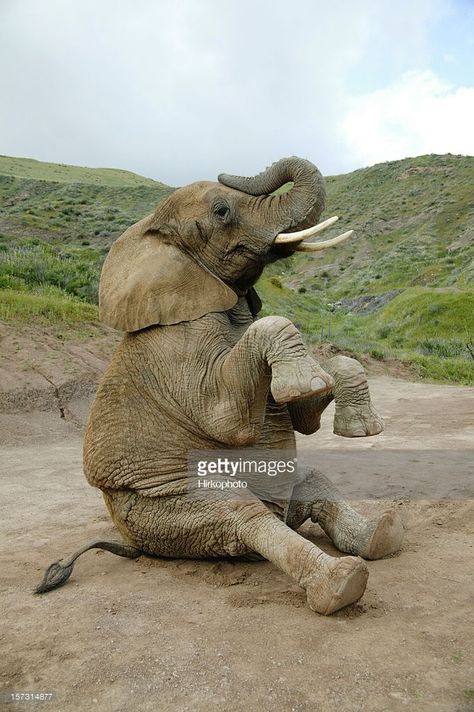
(29, 168)
(69, 203)
(403, 287)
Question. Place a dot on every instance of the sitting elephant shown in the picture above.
(197, 370)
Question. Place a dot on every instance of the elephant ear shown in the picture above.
(147, 280)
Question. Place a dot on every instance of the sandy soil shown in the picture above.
(181, 635)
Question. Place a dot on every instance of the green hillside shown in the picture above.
(66, 204)
(61, 173)
(402, 287)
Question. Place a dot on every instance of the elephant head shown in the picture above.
(208, 243)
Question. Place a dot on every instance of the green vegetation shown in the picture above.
(70, 204)
(56, 226)
(431, 330)
(402, 288)
(414, 233)
(414, 226)
(29, 263)
(428, 328)
(45, 306)
(59, 172)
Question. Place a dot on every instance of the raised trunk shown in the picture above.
(294, 210)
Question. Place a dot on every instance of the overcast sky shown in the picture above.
(181, 90)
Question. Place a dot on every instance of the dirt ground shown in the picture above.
(191, 636)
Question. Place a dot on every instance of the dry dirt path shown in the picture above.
(205, 636)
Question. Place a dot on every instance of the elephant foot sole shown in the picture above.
(337, 585)
(357, 422)
(386, 539)
(299, 378)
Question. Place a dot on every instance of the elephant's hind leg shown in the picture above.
(221, 525)
(319, 500)
(330, 583)
(354, 534)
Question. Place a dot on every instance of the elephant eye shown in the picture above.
(221, 210)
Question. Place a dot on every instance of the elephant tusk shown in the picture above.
(315, 246)
(285, 237)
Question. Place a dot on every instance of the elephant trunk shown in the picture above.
(294, 210)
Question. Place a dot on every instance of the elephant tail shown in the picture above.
(58, 573)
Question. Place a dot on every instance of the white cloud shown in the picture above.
(184, 89)
(419, 113)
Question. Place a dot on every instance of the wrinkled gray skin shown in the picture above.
(227, 379)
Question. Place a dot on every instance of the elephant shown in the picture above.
(197, 369)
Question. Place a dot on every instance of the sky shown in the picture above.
(182, 90)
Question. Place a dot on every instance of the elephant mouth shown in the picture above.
(285, 243)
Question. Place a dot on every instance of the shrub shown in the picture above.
(377, 354)
(384, 331)
(442, 348)
(26, 264)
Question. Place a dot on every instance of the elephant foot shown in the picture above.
(386, 537)
(355, 415)
(335, 583)
(357, 421)
(353, 534)
(299, 378)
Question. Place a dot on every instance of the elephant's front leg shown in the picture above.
(295, 374)
(319, 500)
(269, 356)
(355, 415)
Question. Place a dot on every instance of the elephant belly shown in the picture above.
(139, 436)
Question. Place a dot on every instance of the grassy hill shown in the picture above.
(69, 204)
(403, 287)
(30, 169)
